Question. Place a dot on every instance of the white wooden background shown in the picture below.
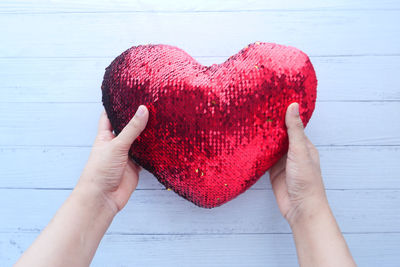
(52, 60)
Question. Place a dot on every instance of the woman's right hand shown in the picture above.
(296, 178)
(297, 184)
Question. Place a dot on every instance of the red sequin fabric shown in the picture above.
(213, 131)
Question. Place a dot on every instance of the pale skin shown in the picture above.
(109, 178)
(299, 191)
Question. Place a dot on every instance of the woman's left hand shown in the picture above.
(108, 170)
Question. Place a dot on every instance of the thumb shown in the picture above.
(295, 127)
(133, 129)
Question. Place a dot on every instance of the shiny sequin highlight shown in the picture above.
(213, 131)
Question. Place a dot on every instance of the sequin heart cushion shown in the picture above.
(213, 131)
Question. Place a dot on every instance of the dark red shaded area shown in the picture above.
(212, 131)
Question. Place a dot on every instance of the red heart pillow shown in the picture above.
(212, 131)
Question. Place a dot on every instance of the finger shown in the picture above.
(130, 179)
(133, 129)
(133, 170)
(278, 167)
(313, 151)
(295, 128)
(279, 187)
(104, 123)
(138, 167)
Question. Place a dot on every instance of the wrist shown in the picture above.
(318, 239)
(90, 195)
(308, 211)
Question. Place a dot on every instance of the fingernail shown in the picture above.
(296, 108)
(140, 111)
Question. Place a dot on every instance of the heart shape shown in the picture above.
(212, 131)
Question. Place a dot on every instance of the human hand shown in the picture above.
(296, 178)
(108, 172)
(109, 178)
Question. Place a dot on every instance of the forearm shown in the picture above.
(73, 235)
(318, 239)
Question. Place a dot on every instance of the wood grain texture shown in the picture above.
(358, 78)
(212, 250)
(164, 212)
(348, 167)
(75, 124)
(209, 34)
(102, 6)
(52, 60)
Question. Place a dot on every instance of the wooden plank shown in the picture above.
(357, 78)
(369, 250)
(164, 212)
(42, 6)
(57, 51)
(60, 167)
(75, 124)
(355, 124)
(79, 79)
(52, 80)
(205, 34)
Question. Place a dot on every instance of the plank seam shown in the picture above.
(99, 102)
(202, 56)
(4, 146)
(25, 231)
(164, 189)
(298, 10)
